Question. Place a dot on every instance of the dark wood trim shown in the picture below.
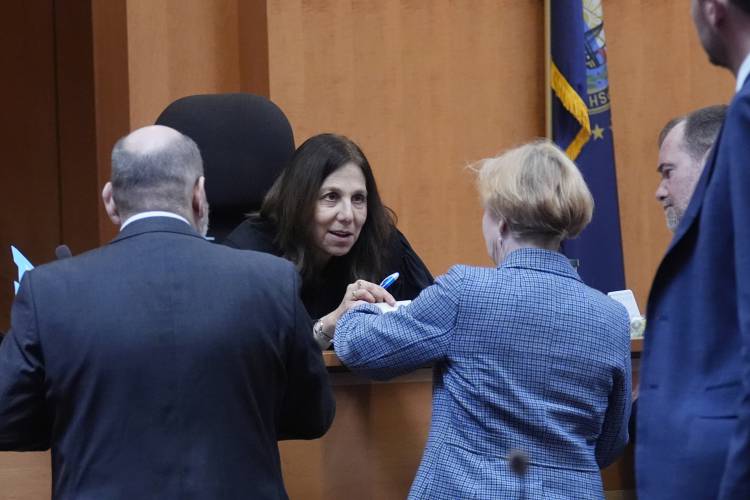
(93, 112)
(76, 124)
(29, 206)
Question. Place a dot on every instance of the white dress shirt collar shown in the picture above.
(743, 72)
(153, 213)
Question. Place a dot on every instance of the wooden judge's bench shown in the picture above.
(372, 451)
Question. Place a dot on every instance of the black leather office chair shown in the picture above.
(245, 141)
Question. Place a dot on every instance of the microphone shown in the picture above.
(63, 252)
(518, 461)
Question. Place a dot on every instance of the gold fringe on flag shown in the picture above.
(576, 107)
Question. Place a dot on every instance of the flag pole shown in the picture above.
(547, 69)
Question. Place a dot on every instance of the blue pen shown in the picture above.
(389, 280)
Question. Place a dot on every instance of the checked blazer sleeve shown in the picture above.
(614, 435)
(382, 346)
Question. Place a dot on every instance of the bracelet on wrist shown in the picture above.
(319, 331)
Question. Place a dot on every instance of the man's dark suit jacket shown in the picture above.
(694, 400)
(162, 366)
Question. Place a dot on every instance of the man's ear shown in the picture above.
(715, 12)
(109, 204)
(200, 203)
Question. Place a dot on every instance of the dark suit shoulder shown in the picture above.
(56, 268)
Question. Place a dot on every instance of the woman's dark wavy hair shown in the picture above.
(291, 202)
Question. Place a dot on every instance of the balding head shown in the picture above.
(155, 168)
(151, 139)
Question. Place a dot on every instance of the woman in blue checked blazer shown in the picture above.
(528, 360)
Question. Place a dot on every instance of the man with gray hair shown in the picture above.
(684, 144)
(153, 168)
(161, 365)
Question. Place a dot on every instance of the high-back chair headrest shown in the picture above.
(245, 141)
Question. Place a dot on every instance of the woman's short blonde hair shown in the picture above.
(537, 190)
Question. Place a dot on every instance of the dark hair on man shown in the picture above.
(743, 5)
(291, 203)
(701, 128)
(155, 179)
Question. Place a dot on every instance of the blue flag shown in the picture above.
(582, 127)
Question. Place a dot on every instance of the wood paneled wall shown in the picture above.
(178, 48)
(66, 104)
(184, 47)
(30, 201)
(425, 86)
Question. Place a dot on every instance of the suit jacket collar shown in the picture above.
(540, 260)
(743, 72)
(156, 225)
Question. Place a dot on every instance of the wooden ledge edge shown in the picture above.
(333, 361)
